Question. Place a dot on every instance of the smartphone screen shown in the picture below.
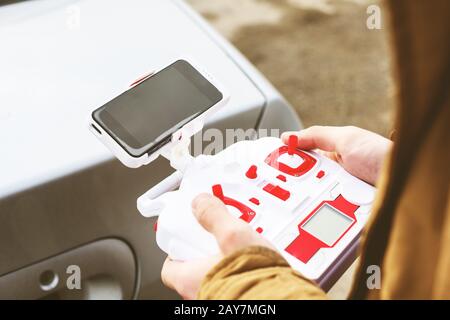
(144, 117)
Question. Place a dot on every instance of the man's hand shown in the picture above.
(359, 151)
(231, 234)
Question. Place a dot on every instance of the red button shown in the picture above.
(320, 174)
(259, 230)
(251, 172)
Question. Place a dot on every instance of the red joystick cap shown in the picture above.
(251, 172)
(217, 191)
(292, 144)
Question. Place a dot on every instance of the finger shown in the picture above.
(169, 273)
(185, 277)
(315, 137)
(330, 154)
(211, 213)
(231, 233)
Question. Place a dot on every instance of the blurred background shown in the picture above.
(318, 53)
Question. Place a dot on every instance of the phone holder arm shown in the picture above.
(152, 202)
(179, 154)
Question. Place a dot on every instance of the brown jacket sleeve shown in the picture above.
(257, 273)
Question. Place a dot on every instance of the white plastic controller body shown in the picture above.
(275, 191)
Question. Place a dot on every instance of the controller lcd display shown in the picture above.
(327, 224)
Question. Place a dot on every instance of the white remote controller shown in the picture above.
(305, 204)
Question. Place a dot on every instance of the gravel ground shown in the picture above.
(320, 55)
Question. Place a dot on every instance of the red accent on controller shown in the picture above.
(259, 230)
(254, 200)
(320, 174)
(251, 172)
(217, 191)
(247, 213)
(281, 177)
(307, 164)
(292, 144)
(305, 245)
(155, 226)
(277, 191)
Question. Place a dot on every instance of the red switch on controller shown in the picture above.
(217, 191)
(292, 144)
(277, 191)
(247, 214)
(320, 174)
(251, 172)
